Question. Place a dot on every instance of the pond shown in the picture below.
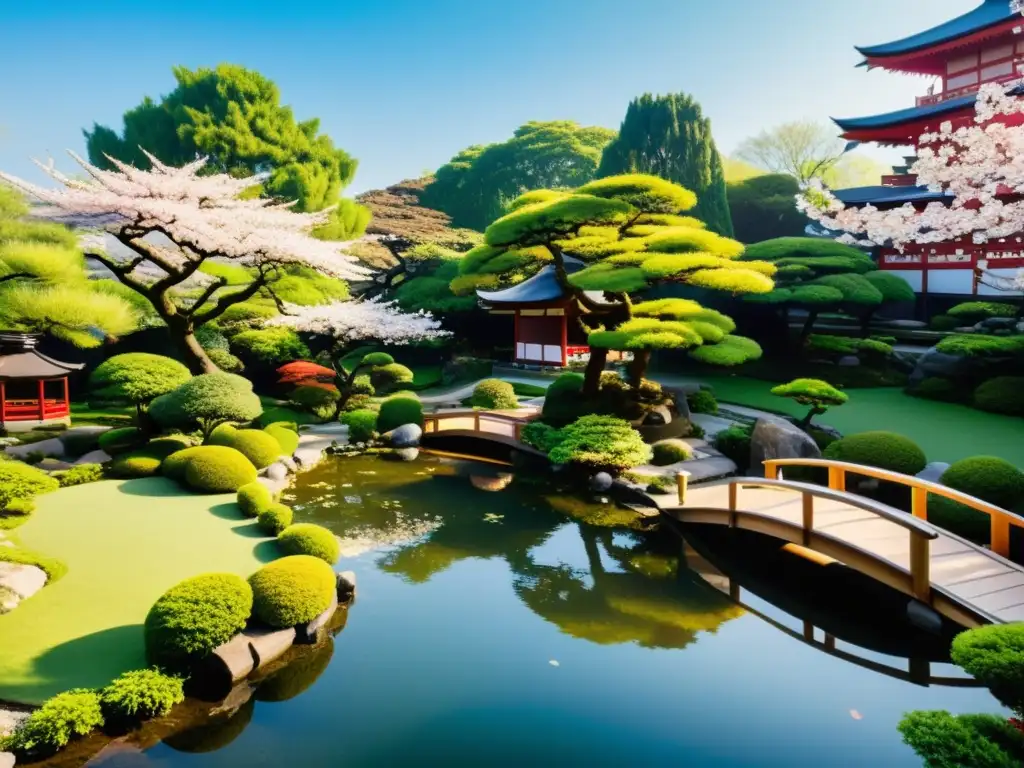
(511, 625)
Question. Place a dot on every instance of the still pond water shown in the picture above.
(503, 627)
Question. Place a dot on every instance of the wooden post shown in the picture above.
(733, 492)
(808, 510)
(476, 421)
(42, 400)
(682, 479)
(919, 502)
(837, 478)
(1000, 535)
(830, 642)
(808, 631)
(518, 431)
(771, 470)
(67, 397)
(920, 563)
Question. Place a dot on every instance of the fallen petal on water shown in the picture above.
(554, 663)
(856, 715)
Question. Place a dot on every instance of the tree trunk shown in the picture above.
(595, 367)
(637, 368)
(193, 355)
(812, 315)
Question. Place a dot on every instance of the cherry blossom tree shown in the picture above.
(207, 219)
(980, 166)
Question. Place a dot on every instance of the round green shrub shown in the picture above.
(292, 590)
(162, 447)
(936, 388)
(314, 398)
(1001, 395)
(139, 464)
(943, 740)
(600, 444)
(398, 410)
(377, 358)
(137, 377)
(60, 719)
(563, 402)
(988, 478)
(205, 401)
(225, 360)
(944, 323)
(974, 345)
(20, 481)
(994, 655)
(140, 695)
(982, 310)
(702, 401)
(362, 425)
(254, 496)
(273, 346)
(666, 452)
(256, 445)
(274, 518)
(310, 539)
(541, 436)
(174, 466)
(287, 439)
(885, 450)
(122, 440)
(734, 443)
(494, 393)
(384, 378)
(218, 469)
(196, 616)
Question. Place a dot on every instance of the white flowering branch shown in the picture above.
(351, 321)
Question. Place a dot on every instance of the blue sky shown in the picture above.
(404, 84)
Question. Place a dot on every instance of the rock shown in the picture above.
(406, 454)
(89, 429)
(1020, 327)
(6, 760)
(997, 324)
(711, 468)
(277, 472)
(311, 631)
(289, 463)
(933, 471)
(54, 465)
(268, 644)
(346, 585)
(22, 580)
(956, 367)
(51, 447)
(233, 659)
(94, 457)
(777, 439)
(405, 436)
(848, 361)
(600, 482)
(923, 617)
(904, 324)
(658, 415)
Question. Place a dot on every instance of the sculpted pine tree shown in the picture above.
(631, 234)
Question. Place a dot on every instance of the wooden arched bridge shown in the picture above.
(965, 582)
(497, 427)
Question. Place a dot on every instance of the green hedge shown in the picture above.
(254, 496)
(399, 410)
(60, 719)
(982, 310)
(734, 443)
(274, 518)
(292, 590)
(258, 446)
(1001, 395)
(137, 464)
(988, 478)
(310, 539)
(122, 440)
(885, 450)
(494, 393)
(140, 695)
(218, 469)
(78, 475)
(362, 425)
(287, 439)
(21, 481)
(541, 436)
(666, 452)
(196, 616)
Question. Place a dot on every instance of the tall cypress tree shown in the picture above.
(668, 136)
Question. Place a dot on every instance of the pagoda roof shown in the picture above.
(543, 287)
(989, 13)
(912, 114)
(881, 195)
(32, 364)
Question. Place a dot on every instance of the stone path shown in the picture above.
(456, 394)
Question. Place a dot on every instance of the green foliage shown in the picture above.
(310, 539)
(702, 401)
(813, 392)
(973, 311)
(259, 447)
(398, 410)
(764, 207)
(600, 443)
(731, 350)
(20, 481)
(287, 439)
(839, 346)
(362, 425)
(53, 567)
(734, 443)
(885, 450)
(1001, 395)
(563, 402)
(60, 719)
(272, 346)
(936, 388)
(205, 401)
(140, 695)
(944, 323)
(274, 518)
(892, 287)
(217, 469)
(245, 314)
(319, 400)
(27, 506)
(981, 346)
(135, 464)
(475, 186)
(348, 222)
(494, 393)
(943, 740)
(389, 376)
(225, 360)
(137, 377)
(669, 136)
(235, 117)
(987, 478)
(194, 617)
(253, 497)
(541, 436)
(292, 590)
(994, 656)
(666, 452)
(118, 441)
(174, 466)
(162, 447)
(432, 292)
(373, 359)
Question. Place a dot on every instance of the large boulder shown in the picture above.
(968, 371)
(405, 436)
(778, 439)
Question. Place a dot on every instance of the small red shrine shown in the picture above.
(33, 387)
(983, 46)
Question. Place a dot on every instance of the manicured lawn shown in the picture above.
(125, 543)
(81, 413)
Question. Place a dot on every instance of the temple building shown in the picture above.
(985, 45)
(33, 386)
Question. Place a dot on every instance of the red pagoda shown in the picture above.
(983, 46)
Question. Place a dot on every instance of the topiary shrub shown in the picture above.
(287, 439)
(885, 450)
(196, 616)
(207, 401)
(20, 481)
(935, 388)
(666, 452)
(292, 590)
(259, 447)
(494, 393)
(1001, 395)
(217, 469)
(734, 443)
(140, 695)
(981, 346)
(988, 478)
(174, 466)
(78, 475)
(319, 399)
(817, 394)
(398, 410)
(60, 719)
(137, 378)
(162, 447)
(944, 323)
(541, 436)
(310, 539)
(274, 518)
(943, 740)
(362, 426)
(270, 347)
(975, 311)
(138, 464)
(600, 444)
(225, 360)
(702, 401)
(254, 496)
(122, 440)
(563, 402)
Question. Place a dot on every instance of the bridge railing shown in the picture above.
(1001, 520)
(471, 420)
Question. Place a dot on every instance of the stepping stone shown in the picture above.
(23, 580)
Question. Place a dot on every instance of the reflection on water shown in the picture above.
(502, 623)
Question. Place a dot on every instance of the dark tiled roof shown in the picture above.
(880, 194)
(540, 288)
(987, 14)
(32, 364)
(911, 113)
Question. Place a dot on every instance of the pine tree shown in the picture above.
(668, 136)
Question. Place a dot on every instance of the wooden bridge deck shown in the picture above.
(961, 580)
(504, 427)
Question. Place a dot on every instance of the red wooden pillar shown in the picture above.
(67, 398)
(565, 337)
(42, 400)
(3, 402)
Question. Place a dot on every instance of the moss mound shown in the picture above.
(274, 518)
(217, 469)
(310, 539)
(885, 450)
(287, 439)
(398, 410)
(1001, 395)
(254, 496)
(667, 452)
(494, 393)
(292, 590)
(988, 478)
(258, 446)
